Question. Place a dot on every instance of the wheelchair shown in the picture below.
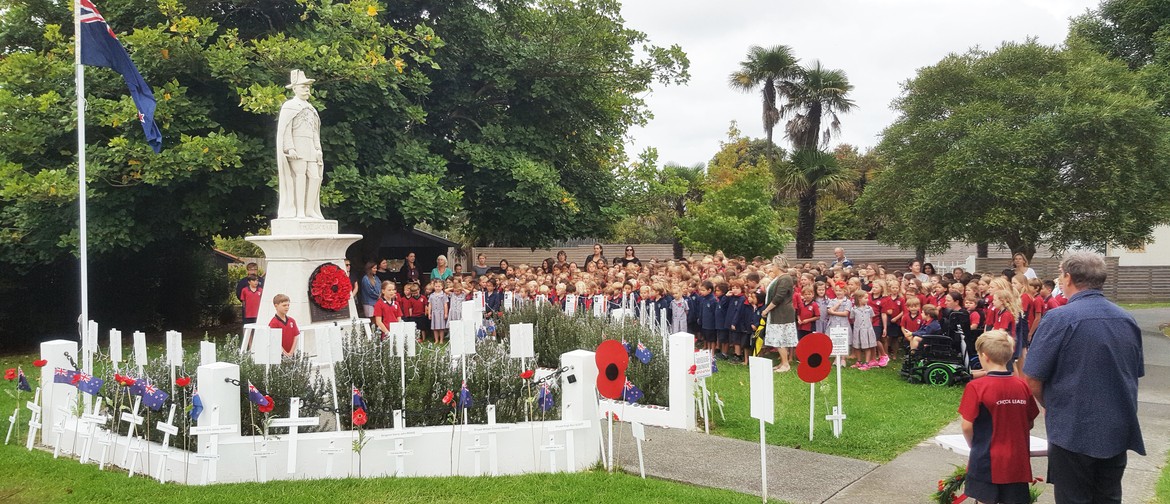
(941, 360)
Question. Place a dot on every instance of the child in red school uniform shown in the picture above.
(912, 318)
(998, 412)
(895, 309)
(387, 309)
(881, 319)
(807, 313)
(250, 296)
(289, 331)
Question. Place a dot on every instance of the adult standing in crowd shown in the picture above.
(1020, 264)
(916, 269)
(409, 271)
(1083, 367)
(629, 258)
(370, 288)
(840, 260)
(598, 253)
(441, 271)
(480, 267)
(780, 332)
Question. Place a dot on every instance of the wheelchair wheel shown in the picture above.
(940, 374)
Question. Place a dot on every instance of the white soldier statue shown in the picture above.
(298, 153)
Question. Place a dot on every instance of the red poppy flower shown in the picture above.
(76, 379)
(359, 417)
(692, 369)
(40, 362)
(449, 397)
(268, 407)
(813, 352)
(183, 381)
(10, 374)
(612, 360)
(128, 381)
(527, 374)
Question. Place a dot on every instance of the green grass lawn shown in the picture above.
(1162, 492)
(886, 415)
(1139, 306)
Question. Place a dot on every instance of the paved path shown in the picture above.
(805, 477)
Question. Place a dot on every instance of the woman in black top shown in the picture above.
(629, 258)
(409, 272)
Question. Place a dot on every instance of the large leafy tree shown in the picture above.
(653, 199)
(515, 122)
(1134, 31)
(1025, 145)
(735, 215)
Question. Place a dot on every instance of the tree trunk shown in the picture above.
(920, 254)
(806, 223)
(981, 250)
(680, 209)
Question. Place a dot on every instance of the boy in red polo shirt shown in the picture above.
(998, 411)
(250, 296)
(289, 331)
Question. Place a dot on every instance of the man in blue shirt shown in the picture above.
(1083, 367)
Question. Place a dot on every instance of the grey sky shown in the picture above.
(878, 43)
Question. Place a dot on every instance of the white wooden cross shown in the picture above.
(34, 422)
(116, 348)
(400, 453)
(837, 417)
(552, 448)
(719, 402)
(399, 434)
(12, 422)
(330, 453)
(91, 421)
(491, 429)
(59, 427)
(476, 449)
(106, 441)
(133, 419)
(294, 422)
(262, 461)
(570, 446)
(168, 429)
(135, 446)
(210, 452)
(639, 432)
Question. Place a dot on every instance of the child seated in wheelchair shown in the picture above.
(930, 326)
(951, 323)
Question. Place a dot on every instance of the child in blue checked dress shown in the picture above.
(438, 309)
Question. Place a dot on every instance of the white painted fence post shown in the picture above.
(682, 386)
(55, 395)
(220, 393)
(579, 404)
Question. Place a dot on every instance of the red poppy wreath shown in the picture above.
(813, 352)
(612, 361)
(329, 287)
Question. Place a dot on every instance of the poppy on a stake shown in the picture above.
(267, 407)
(813, 352)
(612, 361)
(527, 374)
(10, 374)
(359, 417)
(40, 363)
(183, 381)
(449, 397)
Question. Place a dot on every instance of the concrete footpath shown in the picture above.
(799, 476)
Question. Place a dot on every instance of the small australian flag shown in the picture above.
(255, 396)
(153, 398)
(196, 406)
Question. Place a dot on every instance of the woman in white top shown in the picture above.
(1020, 261)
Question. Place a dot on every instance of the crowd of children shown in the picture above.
(719, 299)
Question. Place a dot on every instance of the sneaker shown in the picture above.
(883, 361)
(873, 364)
(863, 367)
(720, 356)
(857, 365)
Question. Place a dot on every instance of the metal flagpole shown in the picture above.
(79, 72)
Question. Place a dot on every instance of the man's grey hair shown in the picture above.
(1086, 270)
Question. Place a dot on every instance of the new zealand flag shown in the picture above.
(643, 354)
(632, 393)
(255, 396)
(358, 401)
(62, 375)
(22, 382)
(544, 398)
(100, 47)
(90, 384)
(153, 398)
(464, 397)
(196, 406)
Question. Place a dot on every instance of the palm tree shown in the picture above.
(817, 93)
(768, 69)
(689, 181)
(806, 173)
